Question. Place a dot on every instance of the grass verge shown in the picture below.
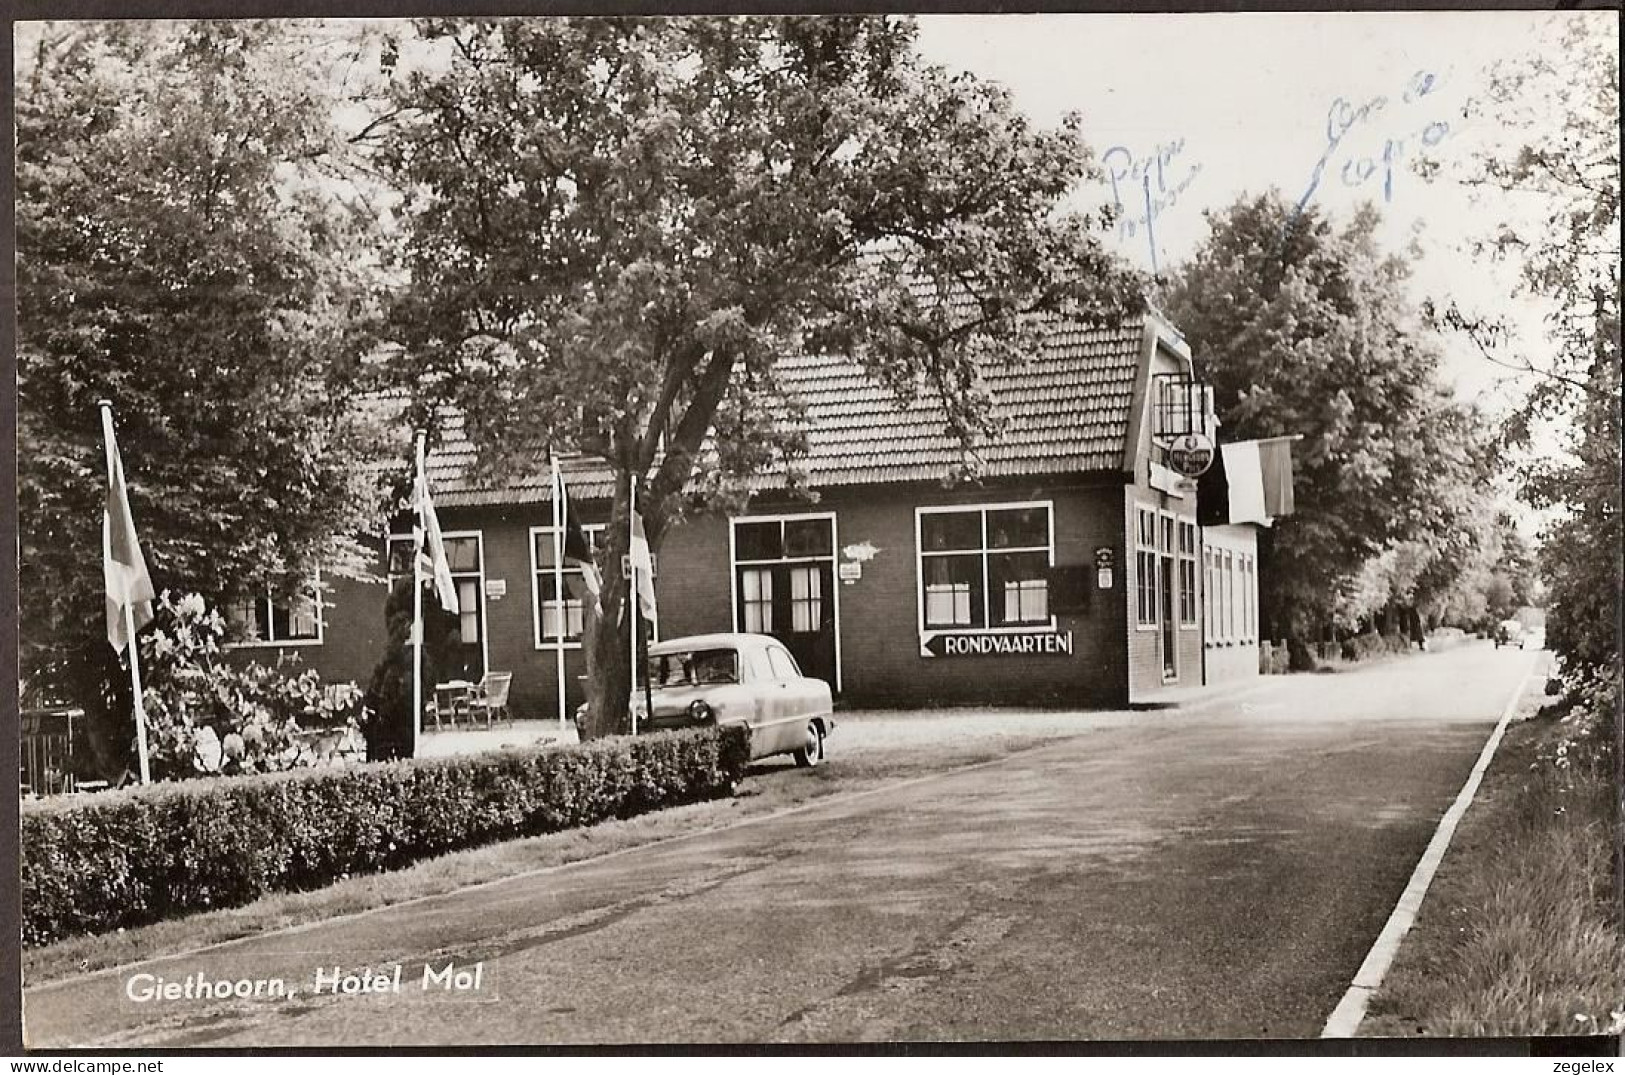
(1518, 935)
(864, 754)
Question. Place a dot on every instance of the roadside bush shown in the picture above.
(1363, 647)
(132, 857)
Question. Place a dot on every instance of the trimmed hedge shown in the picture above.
(127, 858)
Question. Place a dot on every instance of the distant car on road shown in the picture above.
(739, 678)
(1507, 633)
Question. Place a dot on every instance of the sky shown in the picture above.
(1197, 109)
(1190, 111)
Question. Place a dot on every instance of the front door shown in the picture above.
(784, 586)
(1167, 599)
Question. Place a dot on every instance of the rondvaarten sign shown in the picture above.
(1002, 644)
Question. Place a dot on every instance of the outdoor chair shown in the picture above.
(490, 698)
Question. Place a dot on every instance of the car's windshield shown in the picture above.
(694, 668)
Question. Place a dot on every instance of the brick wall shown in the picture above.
(352, 636)
(878, 613)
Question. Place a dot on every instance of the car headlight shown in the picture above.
(698, 710)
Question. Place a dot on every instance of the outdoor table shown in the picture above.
(451, 698)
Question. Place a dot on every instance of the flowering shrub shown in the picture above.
(1589, 708)
(206, 716)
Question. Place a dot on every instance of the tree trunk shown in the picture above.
(608, 635)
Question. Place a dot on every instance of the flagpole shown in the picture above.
(632, 593)
(135, 686)
(558, 575)
(417, 600)
(137, 704)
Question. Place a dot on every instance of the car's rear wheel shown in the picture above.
(812, 748)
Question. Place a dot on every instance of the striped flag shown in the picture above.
(435, 565)
(577, 553)
(1275, 474)
(124, 569)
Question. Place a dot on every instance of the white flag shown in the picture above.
(643, 567)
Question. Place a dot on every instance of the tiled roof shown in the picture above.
(1066, 412)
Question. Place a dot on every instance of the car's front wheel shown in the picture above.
(811, 751)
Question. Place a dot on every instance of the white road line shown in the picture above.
(1350, 1011)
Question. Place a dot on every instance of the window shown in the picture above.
(1207, 594)
(756, 595)
(1187, 574)
(551, 612)
(1182, 406)
(806, 598)
(1229, 627)
(783, 539)
(1145, 567)
(783, 665)
(707, 667)
(278, 620)
(1249, 598)
(463, 556)
(985, 567)
(784, 574)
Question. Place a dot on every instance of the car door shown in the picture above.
(756, 678)
(785, 706)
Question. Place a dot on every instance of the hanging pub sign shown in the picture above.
(1190, 454)
(980, 644)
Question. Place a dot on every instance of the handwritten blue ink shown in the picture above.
(1123, 165)
(1344, 117)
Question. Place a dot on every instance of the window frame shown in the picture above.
(1184, 557)
(1249, 597)
(1229, 596)
(833, 559)
(485, 611)
(268, 601)
(1209, 592)
(780, 648)
(982, 552)
(1142, 549)
(539, 644)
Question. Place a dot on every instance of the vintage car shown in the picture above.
(743, 678)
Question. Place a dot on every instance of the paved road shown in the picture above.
(1215, 874)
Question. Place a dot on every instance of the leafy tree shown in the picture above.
(182, 251)
(614, 227)
(1563, 100)
(1303, 328)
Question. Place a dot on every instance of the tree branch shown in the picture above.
(678, 372)
(1470, 330)
(685, 442)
